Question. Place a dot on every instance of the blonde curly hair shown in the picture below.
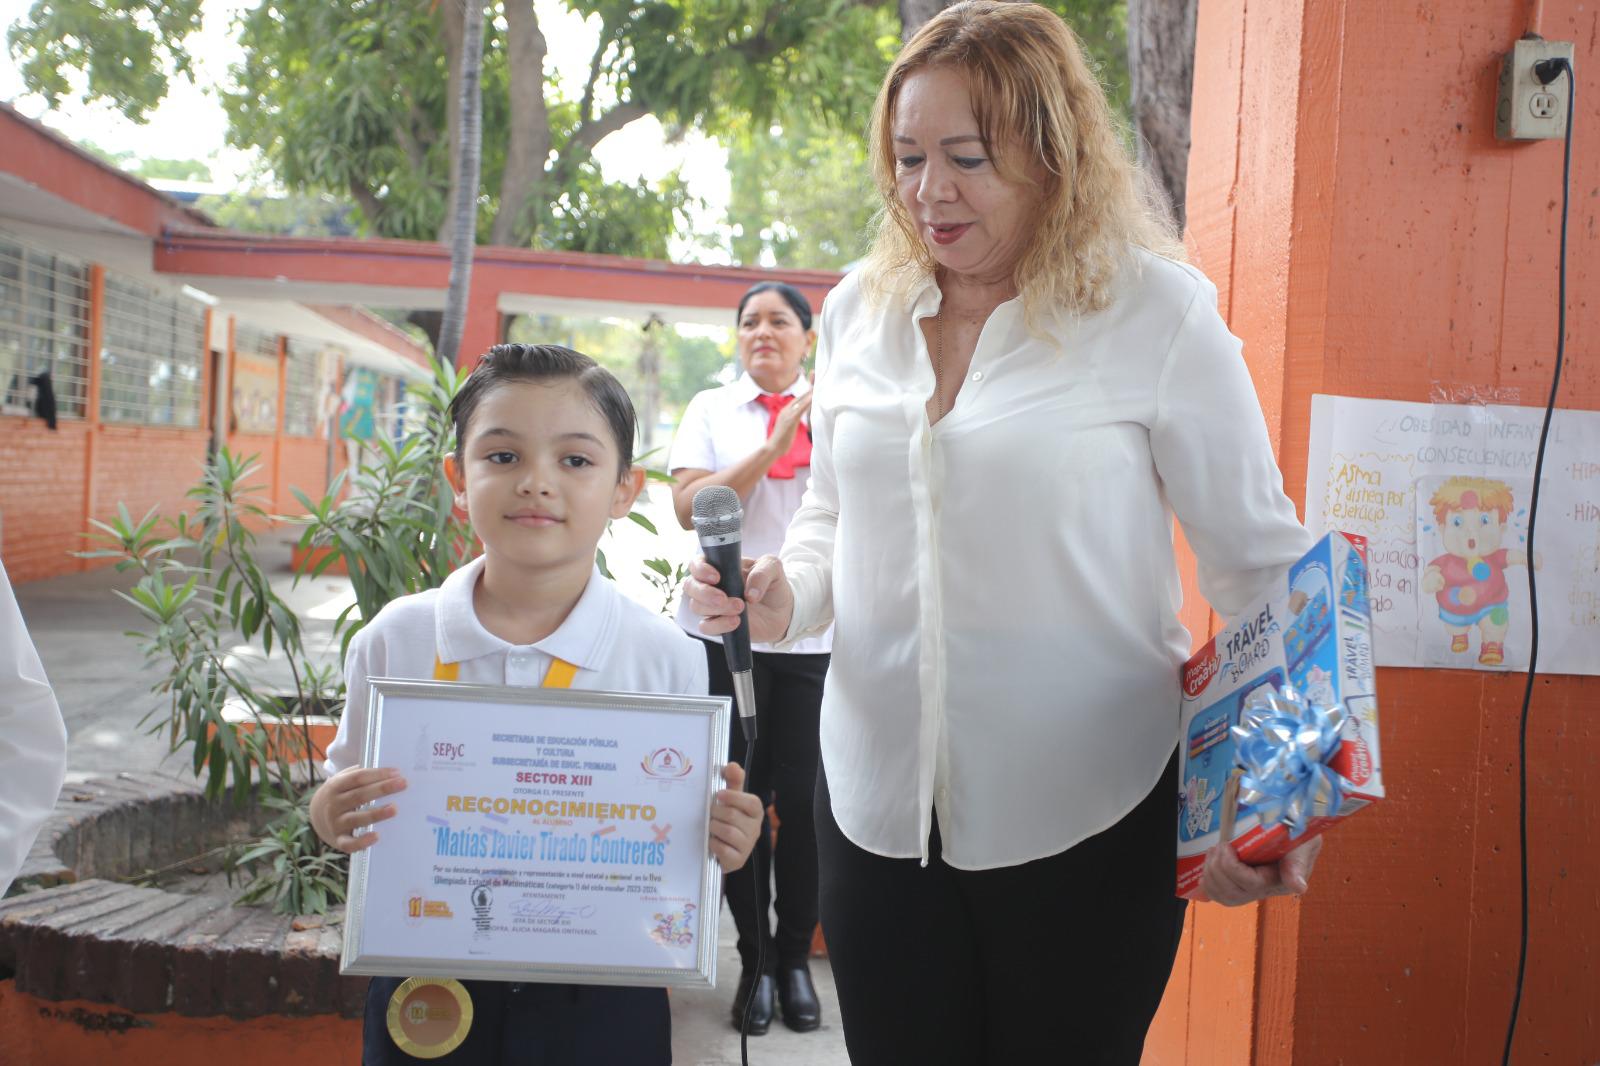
(1032, 92)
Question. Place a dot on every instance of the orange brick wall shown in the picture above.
(303, 465)
(142, 467)
(265, 477)
(41, 496)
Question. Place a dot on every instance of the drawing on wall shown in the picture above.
(1441, 492)
(1472, 533)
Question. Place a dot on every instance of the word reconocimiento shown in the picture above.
(615, 812)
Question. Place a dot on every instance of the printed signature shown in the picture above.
(549, 909)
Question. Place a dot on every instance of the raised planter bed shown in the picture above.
(151, 974)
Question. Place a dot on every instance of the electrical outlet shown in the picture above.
(1526, 109)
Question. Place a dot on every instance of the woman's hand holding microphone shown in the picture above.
(767, 596)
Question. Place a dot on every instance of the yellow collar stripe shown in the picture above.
(559, 675)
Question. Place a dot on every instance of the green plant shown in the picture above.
(202, 589)
(292, 868)
(667, 578)
(396, 529)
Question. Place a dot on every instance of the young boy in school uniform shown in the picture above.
(543, 461)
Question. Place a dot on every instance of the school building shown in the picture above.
(164, 337)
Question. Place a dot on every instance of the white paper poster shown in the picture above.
(1441, 493)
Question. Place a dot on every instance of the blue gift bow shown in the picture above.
(1283, 744)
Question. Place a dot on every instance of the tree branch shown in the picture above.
(370, 205)
(528, 139)
(590, 134)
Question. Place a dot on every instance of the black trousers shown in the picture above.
(538, 1025)
(1059, 960)
(784, 774)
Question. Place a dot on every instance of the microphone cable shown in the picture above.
(1547, 71)
(755, 881)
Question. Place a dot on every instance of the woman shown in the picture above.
(1024, 385)
(751, 436)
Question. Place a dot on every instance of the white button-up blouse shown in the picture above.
(1002, 585)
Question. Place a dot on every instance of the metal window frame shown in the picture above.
(148, 332)
(302, 387)
(54, 336)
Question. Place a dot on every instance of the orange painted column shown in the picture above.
(1370, 238)
(277, 433)
(208, 409)
(482, 329)
(227, 401)
(91, 396)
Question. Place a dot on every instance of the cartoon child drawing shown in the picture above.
(1469, 580)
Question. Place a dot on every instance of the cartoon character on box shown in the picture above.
(1469, 580)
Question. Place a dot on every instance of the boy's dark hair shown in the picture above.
(505, 363)
(794, 297)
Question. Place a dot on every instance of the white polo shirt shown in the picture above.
(718, 429)
(614, 642)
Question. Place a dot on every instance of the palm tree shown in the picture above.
(464, 181)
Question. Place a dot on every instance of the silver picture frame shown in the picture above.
(526, 712)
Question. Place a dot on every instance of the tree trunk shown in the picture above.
(450, 34)
(464, 182)
(649, 366)
(429, 322)
(913, 13)
(528, 143)
(1161, 77)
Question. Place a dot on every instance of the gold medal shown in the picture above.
(429, 1016)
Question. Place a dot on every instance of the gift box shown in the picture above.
(1280, 716)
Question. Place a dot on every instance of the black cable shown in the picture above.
(761, 941)
(1547, 71)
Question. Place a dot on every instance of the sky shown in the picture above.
(190, 123)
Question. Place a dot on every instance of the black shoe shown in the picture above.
(760, 1006)
(801, 1011)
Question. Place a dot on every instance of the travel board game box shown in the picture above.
(1280, 716)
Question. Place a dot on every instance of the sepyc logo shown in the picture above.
(1199, 672)
(667, 762)
(446, 750)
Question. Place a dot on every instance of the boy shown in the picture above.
(543, 461)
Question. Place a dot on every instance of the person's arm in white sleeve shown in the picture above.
(362, 660)
(340, 808)
(33, 739)
(1216, 464)
(807, 553)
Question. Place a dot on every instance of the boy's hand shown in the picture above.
(336, 811)
(735, 820)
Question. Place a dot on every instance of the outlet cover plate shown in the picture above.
(1524, 109)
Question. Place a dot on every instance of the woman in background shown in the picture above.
(752, 437)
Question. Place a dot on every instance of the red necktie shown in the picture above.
(799, 453)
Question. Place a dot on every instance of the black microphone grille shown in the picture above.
(717, 511)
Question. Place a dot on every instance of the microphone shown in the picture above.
(718, 520)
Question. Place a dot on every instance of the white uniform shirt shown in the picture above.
(1002, 586)
(33, 739)
(615, 643)
(718, 429)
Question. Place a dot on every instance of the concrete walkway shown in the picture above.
(79, 624)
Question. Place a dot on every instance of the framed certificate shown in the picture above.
(543, 835)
